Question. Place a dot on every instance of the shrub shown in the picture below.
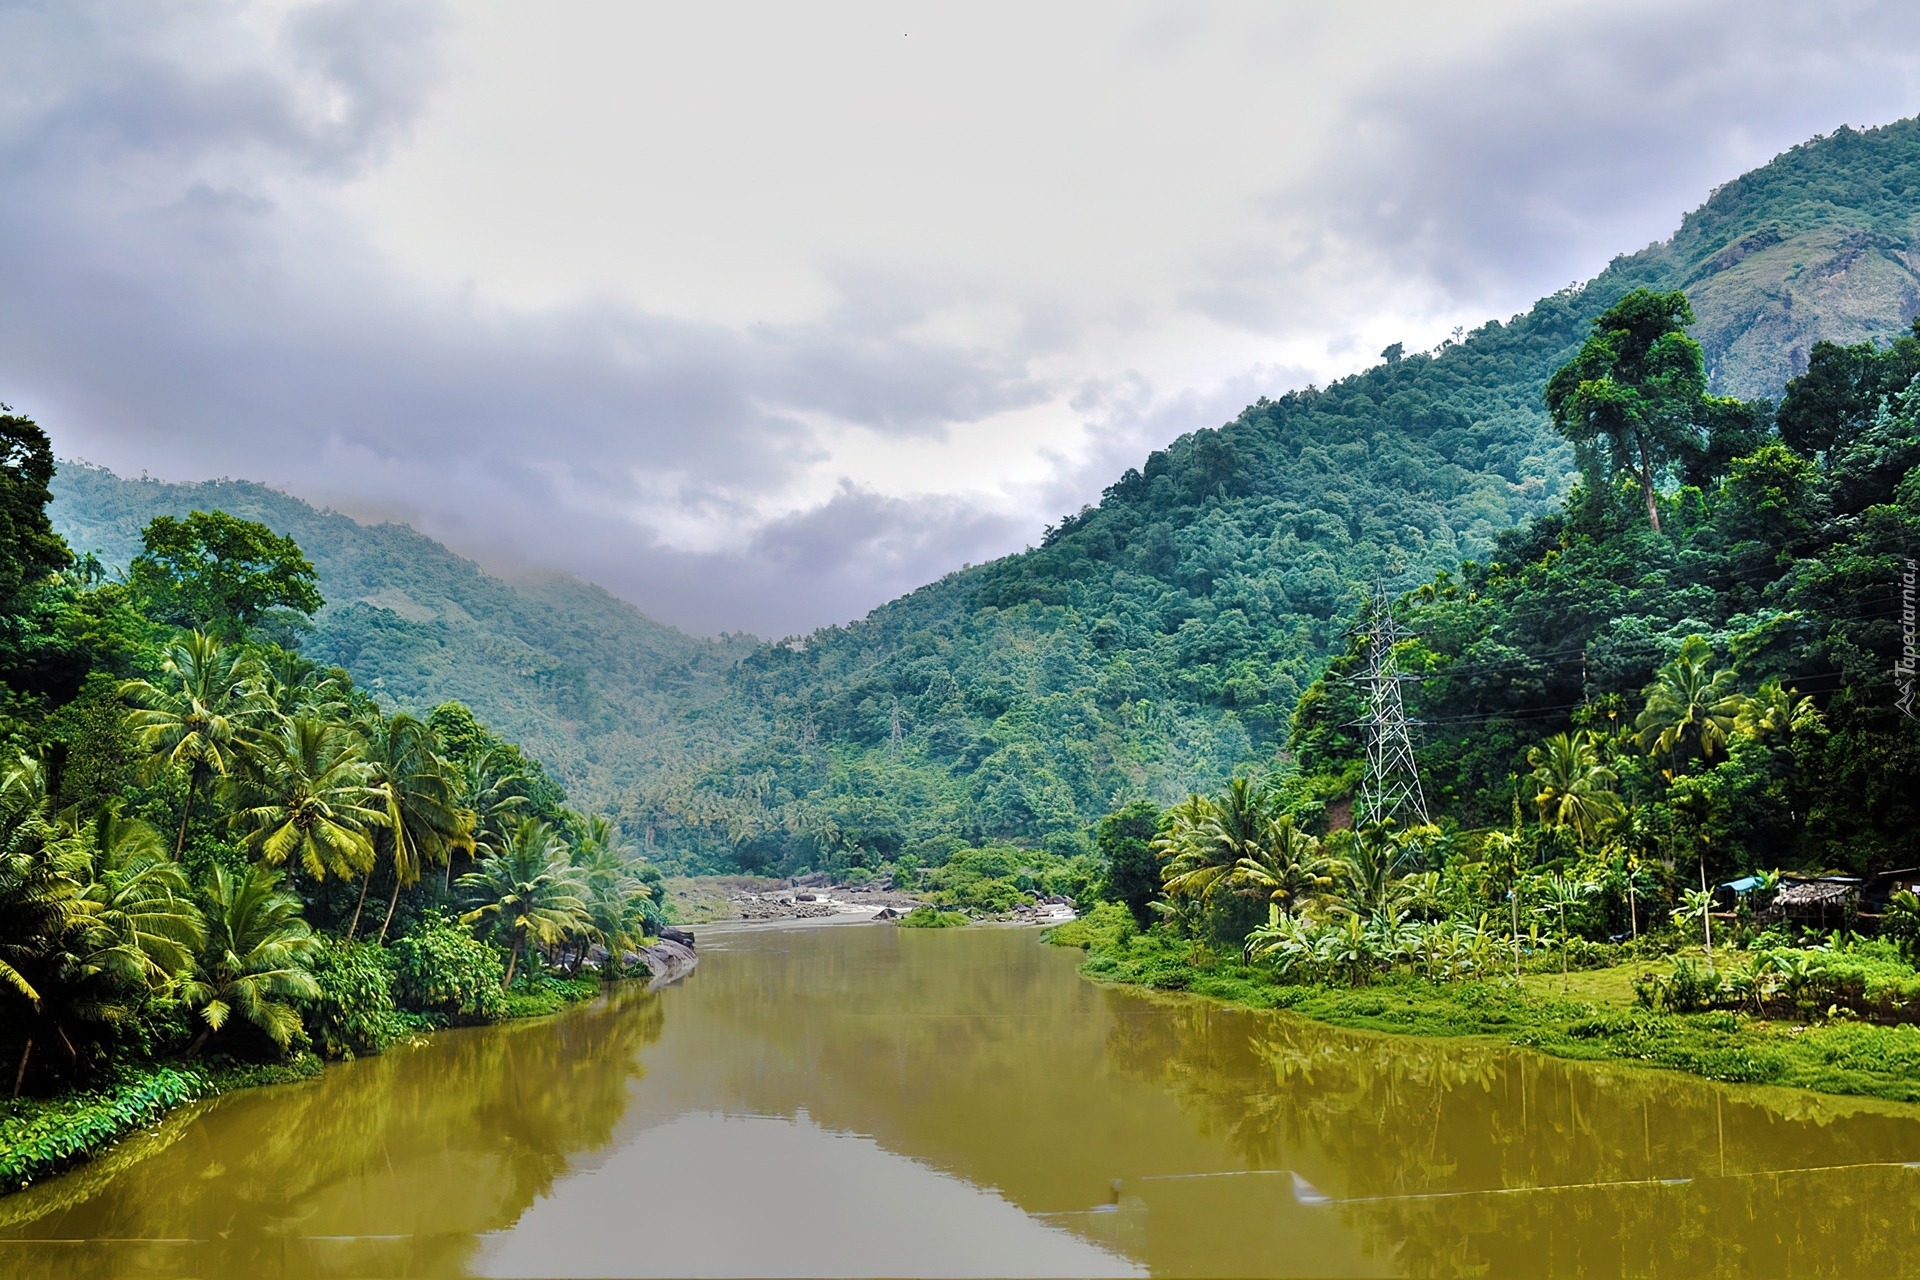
(354, 1013)
(1106, 926)
(536, 995)
(443, 970)
(38, 1138)
(929, 918)
(1688, 989)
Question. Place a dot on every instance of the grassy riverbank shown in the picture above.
(40, 1137)
(1592, 1015)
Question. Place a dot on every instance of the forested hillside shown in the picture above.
(586, 682)
(1158, 640)
(1151, 644)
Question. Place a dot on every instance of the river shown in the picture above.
(864, 1100)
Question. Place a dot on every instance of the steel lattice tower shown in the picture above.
(1392, 786)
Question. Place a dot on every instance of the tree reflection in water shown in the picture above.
(425, 1146)
(1458, 1156)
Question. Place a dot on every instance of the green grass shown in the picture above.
(1588, 1015)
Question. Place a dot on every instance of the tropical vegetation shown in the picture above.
(217, 854)
(1639, 717)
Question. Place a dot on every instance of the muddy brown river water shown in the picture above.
(864, 1100)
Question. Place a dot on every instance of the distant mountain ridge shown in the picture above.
(1150, 645)
(583, 680)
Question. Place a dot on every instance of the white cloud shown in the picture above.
(760, 314)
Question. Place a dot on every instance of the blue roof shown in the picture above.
(1745, 884)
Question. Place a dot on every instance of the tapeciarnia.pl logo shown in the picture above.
(1903, 666)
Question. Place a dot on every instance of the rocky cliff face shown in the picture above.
(1763, 302)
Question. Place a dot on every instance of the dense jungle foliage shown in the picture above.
(215, 851)
(1696, 673)
(1159, 641)
(598, 692)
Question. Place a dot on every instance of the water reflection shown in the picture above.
(384, 1166)
(864, 1101)
(1446, 1157)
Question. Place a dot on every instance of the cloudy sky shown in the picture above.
(760, 314)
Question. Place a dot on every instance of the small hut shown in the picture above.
(1815, 904)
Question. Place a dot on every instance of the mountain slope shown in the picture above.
(1819, 244)
(602, 694)
(1151, 644)
(1156, 641)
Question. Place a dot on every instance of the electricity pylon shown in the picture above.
(1392, 786)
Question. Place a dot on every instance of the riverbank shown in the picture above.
(1596, 1019)
(41, 1137)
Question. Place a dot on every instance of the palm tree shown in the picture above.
(38, 886)
(419, 794)
(1205, 839)
(529, 891)
(492, 788)
(1773, 712)
(294, 684)
(1286, 862)
(314, 801)
(1371, 883)
(1576, 790)
(258, 949)
(135, 917)
(613, 893)
(1689, 703)
(202, 717)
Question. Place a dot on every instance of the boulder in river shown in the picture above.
(670, 960)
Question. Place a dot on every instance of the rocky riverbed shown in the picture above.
(796, 901)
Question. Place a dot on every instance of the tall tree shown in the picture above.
(1637, 386)
(1125, 843)
(1286, 863)
(311, 800)
(614, 894)
(1576, 791)
(29, 548)
(1690, 704)
(529, 892)
(420, 795)
(202, 717)
(220, 572)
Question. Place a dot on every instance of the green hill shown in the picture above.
(1155, 641)
(584, 681)
(1150, 645)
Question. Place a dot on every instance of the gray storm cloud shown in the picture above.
(185, 295)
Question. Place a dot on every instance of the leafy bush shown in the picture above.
(932, 918)
(354, 1013)
(1108, 925)
(38, 1138)
(536, 995)
(1688, 989)
(443, 970)
(987, 879)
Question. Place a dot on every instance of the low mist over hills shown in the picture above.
(585, 681)
(1150, 645)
